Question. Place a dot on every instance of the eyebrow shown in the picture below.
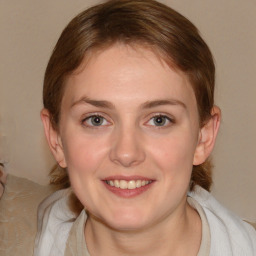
(96, 103)
(146, 105)
(156, 103)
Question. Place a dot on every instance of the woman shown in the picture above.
(129, 116)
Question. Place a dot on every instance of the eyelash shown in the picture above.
(84, 121)
(90, 117)
(168, 119)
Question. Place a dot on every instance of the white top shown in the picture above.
(60, 233)
(76, 245)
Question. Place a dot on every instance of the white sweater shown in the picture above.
(230, 236)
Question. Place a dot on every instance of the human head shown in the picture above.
(138, 22)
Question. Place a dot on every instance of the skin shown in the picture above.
(129, 88)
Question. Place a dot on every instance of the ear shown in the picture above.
(53, 138)
(207, 137)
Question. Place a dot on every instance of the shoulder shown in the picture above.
(55, 219)
(18, 215)
(228, 232)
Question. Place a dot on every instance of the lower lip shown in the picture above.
(128, 193)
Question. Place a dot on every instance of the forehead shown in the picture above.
(133, 73)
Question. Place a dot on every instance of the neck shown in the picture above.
(175, 235)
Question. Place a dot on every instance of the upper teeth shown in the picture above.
(130, 184)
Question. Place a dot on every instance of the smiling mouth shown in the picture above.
(130, 184)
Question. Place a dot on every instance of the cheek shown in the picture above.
(84, 154)
(84, 158)
(174, 155)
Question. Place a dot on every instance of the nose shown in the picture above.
(127, 148)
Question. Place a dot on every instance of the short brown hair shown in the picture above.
(136, 22)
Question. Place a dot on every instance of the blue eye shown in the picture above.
(95, 120)
(160, 120)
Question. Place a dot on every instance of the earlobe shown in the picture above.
(207, 137)
(53, 138)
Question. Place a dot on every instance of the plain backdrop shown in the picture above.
(28, 32)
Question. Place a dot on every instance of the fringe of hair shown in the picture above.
(202, 175)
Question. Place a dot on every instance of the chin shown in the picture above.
(127, 225)
(127, 220)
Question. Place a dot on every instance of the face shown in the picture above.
(129, 134)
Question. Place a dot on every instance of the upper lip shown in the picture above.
(127, 178)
